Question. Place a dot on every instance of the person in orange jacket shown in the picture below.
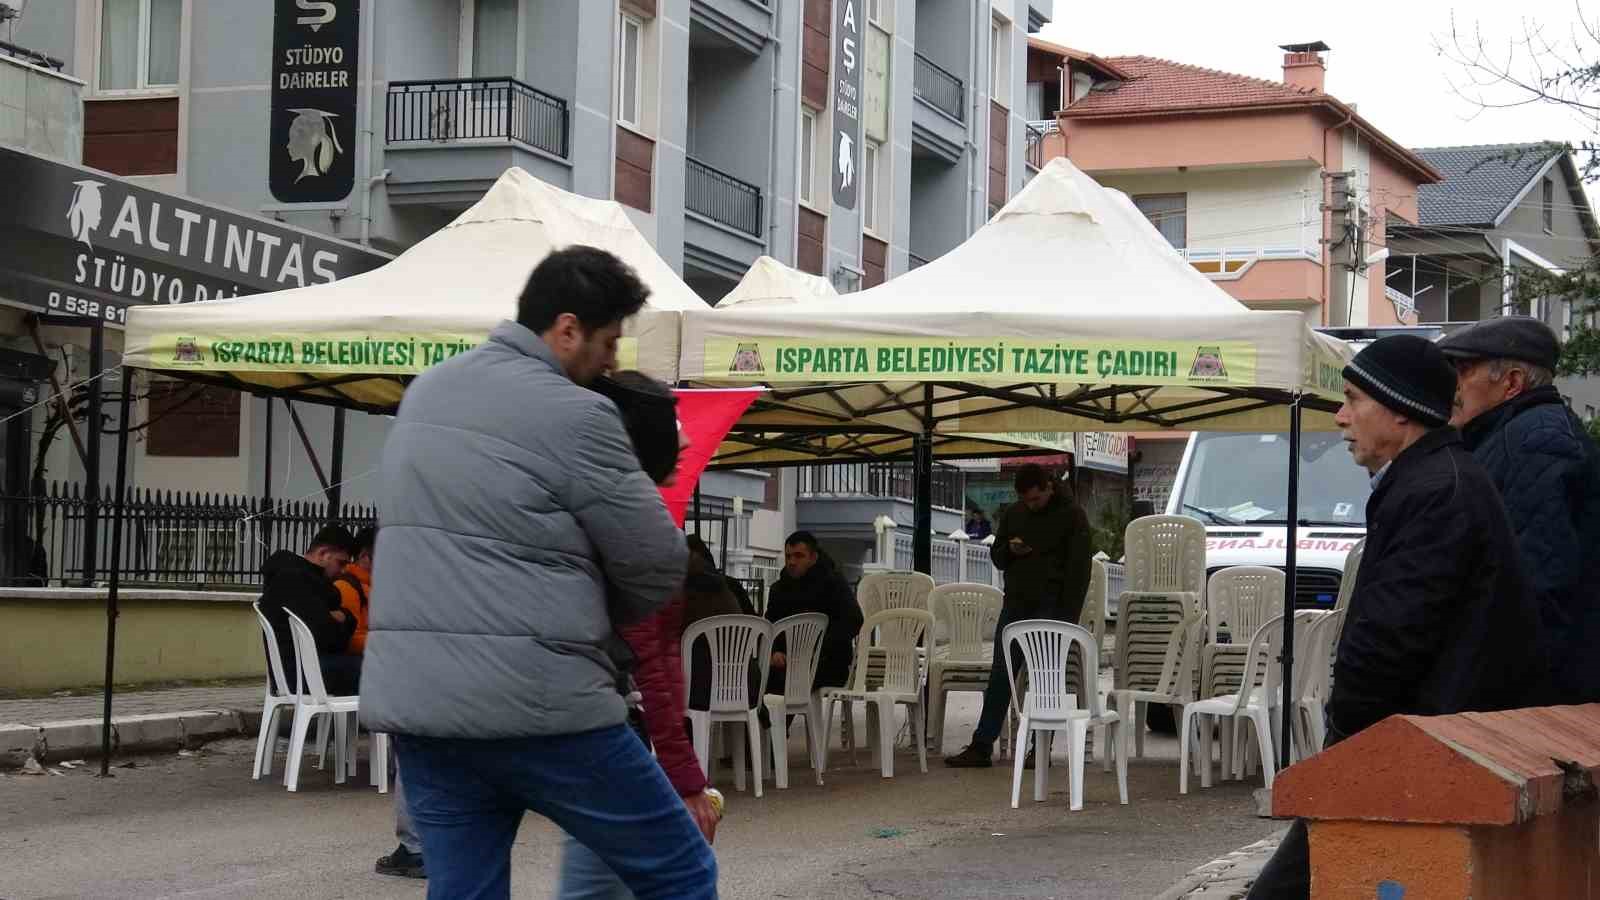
(355, 586)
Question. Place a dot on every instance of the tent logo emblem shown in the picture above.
(1208, 363)
(187, 350)
(747, 360)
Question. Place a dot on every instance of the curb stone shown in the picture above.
(73, 738)
(1225, 878)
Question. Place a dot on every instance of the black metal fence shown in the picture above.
(939, 88)
(169, 539)
(459, 109)
(895, 480)
(722, 198)
(1034, 149)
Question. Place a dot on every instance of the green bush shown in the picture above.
(1108, 527)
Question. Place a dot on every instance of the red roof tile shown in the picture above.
(1157, 87)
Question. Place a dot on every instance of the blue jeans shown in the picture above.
(602, 787)
(585, 876)
(997, 693)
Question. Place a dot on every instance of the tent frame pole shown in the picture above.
(115, 575)
(922, 475)
(91, 493)
(1291, 559)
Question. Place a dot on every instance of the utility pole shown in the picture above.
(1343, 243)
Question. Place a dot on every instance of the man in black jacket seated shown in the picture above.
(1442, 619)
(303, 585)
(1515, 423)
(811, 583)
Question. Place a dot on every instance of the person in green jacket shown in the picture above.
(1043, 546)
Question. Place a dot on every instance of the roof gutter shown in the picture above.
(1412, 161)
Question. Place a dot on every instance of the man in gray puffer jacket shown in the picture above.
(518, 531)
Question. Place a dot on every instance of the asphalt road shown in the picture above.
(198, 827)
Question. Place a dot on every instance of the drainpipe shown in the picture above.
(772, 133)
(367, 27)
(972, 123)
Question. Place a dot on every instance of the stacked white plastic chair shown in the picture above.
(1055, 701)
(1318, 686)
(802, 641)
(967, 614)
(894, 635)
(734, 642)
(1174, 683)
(312, 701)
(1165, 569)
(1093, 616)
(878, 591)
(1238, 600)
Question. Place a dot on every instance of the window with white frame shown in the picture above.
(630, 72)
(139, 44)
(1169, 213)
(808, 152)
(871, 187)
(999, 62)
(878, 13)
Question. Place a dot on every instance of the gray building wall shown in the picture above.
(567, 51)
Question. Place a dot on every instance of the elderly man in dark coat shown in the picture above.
(1547, 468)
(1442, 619)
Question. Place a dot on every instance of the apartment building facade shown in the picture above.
(1242, 174)
(712, 121)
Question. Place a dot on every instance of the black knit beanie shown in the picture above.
(1409, 375)
(649, 415)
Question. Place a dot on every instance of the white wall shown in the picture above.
(1240, 208)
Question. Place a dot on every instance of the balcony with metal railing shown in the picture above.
(892, 481)
(722, 198)
(1033, 146)
(938, 87)
(438, 130)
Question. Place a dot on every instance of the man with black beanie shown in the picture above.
(1442, 619)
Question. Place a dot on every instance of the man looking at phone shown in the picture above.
(1042, 545)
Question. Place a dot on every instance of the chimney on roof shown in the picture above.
(1303, 65)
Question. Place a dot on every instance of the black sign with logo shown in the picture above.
(76, 241)
(847, 61)
(314, 92)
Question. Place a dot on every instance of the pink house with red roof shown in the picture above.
(1237, 172)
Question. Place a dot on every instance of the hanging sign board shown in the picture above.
(315, 44)
(78, 241)
(847, 64)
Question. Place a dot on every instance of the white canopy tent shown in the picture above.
(356, 342)
(769, 284)
(1067, 312)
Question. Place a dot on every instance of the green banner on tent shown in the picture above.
(333, 354)
(1066, 360)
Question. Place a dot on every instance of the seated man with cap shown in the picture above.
(1441, 619)
(1547, 468)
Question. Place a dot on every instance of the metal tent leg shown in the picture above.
(116, 562)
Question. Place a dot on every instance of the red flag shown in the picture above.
(705, 416)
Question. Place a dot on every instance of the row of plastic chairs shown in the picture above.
(310, 704)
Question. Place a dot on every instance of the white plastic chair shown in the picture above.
(1240, 598)
(1174, 684)
(898, 633)
(1323, 639)
(279, 696)
(1052, 700)
(1164, 555)
(1352, 565)
(1093, 617)
(967, 613)
(802, 640)
(312, 701)
(734, 641)
(879, 591)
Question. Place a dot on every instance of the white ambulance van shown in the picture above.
(1237, 484)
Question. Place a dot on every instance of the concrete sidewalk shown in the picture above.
(51, 729)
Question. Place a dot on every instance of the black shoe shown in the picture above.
(970, 758)
(402, 863)
(1028, 763)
